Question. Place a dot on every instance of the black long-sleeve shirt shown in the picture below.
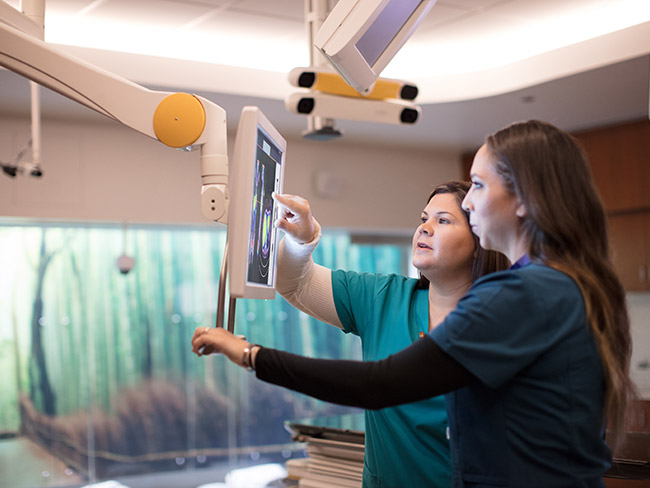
(420, 371)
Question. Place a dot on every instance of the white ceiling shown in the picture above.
(467, 58)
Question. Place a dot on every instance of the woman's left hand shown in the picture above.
(209, 340)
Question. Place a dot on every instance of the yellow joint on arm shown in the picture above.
(332, 83)
(179, 120)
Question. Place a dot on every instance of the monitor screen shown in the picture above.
(384, 29)
(262, 232)
(360, 37)
(256, 171)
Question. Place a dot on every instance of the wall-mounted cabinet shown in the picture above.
(620, 161)
(630, 241)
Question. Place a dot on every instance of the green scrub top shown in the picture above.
(406, 446)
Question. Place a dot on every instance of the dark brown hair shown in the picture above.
(566, 226)
(484, 261)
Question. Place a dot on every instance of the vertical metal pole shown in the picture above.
(223, 277)
(232, 306)
(316, 12)
(35, 10)
(36, 123)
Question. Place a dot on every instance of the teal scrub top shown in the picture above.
(535, 417)
(406, 446)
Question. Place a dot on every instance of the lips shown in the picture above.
(422, 245)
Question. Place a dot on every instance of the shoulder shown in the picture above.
(364, 300)
(354, 281)
(535, 295)
(533, 281)
(509, 318)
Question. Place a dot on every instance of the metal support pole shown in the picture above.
(35, 10)
(316, 11)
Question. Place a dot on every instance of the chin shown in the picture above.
(418, 268)
(488, 246)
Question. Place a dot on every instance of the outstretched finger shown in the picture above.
(292, 204)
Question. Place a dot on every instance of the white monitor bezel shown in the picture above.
(240, 183)
(348, 21)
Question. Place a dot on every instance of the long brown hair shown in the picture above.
(484, 261)
(566, 224)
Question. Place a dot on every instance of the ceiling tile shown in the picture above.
(70, 7)
(160, 13)
(287, 9)
(547, 9)
(439, 15)
(234, 21)
(472, 4)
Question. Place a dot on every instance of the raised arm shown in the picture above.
(304, 284)
(420, 371)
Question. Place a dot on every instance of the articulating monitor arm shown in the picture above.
(178, 120)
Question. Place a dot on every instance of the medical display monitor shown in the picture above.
(256, 171)
(360, 37)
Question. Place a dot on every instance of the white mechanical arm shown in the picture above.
(178, 120)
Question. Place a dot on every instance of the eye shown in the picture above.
(477, 184)
(443, 220)
(423, 219)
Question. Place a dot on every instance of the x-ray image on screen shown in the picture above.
(262, 231)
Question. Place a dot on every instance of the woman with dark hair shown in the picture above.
(388, 313)
(534, 360)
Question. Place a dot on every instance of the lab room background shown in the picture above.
(98, 380)
(97, 365)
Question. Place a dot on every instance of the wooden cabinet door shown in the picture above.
(620, 162)
(630, 241)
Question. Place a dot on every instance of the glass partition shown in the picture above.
(99, 381)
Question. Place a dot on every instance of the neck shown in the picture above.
(444, 295)
(518, 247)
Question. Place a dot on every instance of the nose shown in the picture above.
(426, 228)
(466, 204)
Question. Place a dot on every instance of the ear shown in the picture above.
(521, 211)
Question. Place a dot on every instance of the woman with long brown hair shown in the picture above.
(566, 227)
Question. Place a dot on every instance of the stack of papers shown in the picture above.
(334, 457)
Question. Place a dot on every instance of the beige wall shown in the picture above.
(103, 171)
